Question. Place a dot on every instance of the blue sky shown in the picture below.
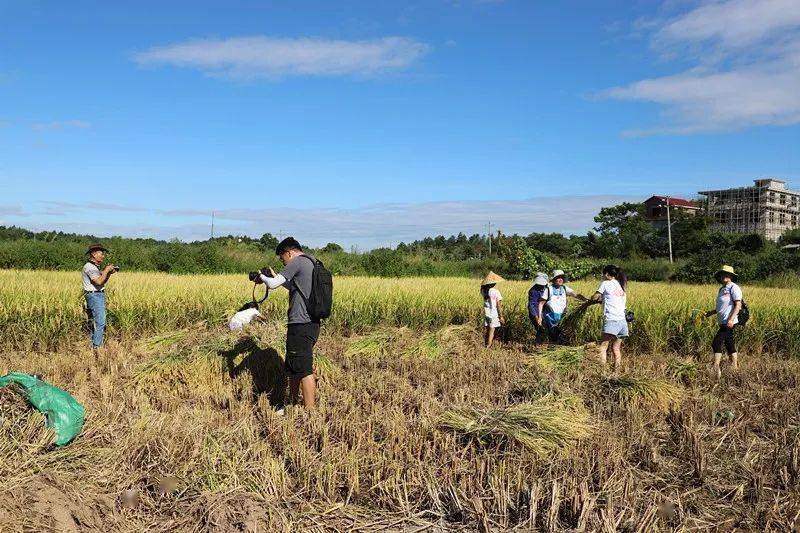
(368, 123)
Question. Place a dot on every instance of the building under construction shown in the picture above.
(768, 208)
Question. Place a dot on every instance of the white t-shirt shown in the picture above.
(614, 300)
(490, 303)
(242, 318)
(726, 300)
(558, 298)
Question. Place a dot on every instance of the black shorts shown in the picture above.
(724, 337)
(300, 341)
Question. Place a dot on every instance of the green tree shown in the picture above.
(624, 228)
(331, 247)
(269, 242)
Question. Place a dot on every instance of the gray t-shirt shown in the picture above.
(298, 273)
(91, 271)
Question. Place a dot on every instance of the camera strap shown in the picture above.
(266, 293)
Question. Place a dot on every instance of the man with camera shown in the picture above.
(303, 329)
(94, 284)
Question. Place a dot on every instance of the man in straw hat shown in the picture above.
(555, 307)
(492, 307)
(94, 284)
(729, 303)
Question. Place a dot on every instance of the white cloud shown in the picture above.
(382, 224)
(56, 208)
(747, 73)
(11, 210)
(366, 227)
(272, 58)
(733, 24)
(60, 125)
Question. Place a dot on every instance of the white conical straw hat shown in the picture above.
(491, 278)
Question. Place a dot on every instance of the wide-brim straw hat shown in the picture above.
(726, 269)
(540, 279)
(96, 246)
(557, 274)
(491, 278)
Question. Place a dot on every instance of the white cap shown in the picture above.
(556, 273)
(540, 279)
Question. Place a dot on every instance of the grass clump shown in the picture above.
(542, 426)
(641, 391)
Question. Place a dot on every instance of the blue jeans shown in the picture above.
(96, 303)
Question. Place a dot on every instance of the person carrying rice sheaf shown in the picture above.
(538, 295)
(729, 305)
(555, 307)
(492, 307)
(612, 294)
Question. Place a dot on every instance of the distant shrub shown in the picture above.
(648, 269)
(701, 268)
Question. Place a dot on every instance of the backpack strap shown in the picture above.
(296, 286)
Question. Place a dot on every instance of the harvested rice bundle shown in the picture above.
(542, 426)
(561, 358)
(635, 391)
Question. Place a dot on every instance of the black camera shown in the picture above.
(255, 277)
(116, 268)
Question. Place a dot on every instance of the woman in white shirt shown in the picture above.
(729, 303)
(492, 307)
(555, 308)
(615, 325)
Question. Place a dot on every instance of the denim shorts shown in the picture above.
(618, 328)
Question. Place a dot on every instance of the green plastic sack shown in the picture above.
(64, 414)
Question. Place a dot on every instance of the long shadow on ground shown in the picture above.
(264, 365)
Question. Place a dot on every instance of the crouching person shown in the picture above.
(245, 315)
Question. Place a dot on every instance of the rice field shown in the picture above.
(43, 309)
(418, 427)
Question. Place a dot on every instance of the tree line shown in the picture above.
(621, 235)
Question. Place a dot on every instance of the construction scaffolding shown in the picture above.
(768, 208)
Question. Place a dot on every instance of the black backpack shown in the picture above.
(744, 314)
(320, 301)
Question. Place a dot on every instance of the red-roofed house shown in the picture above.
(656, 208)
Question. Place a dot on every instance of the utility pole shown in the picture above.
(212, 225)
(490, 237)
(669, 231)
